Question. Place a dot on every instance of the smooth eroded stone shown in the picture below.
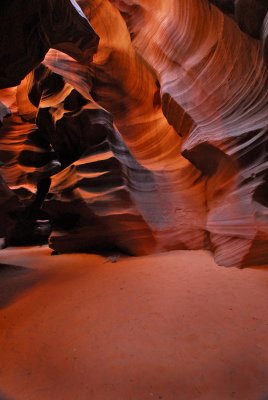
(219, 78)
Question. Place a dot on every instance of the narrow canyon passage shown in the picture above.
(133, 169)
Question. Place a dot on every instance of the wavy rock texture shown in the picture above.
(24, 151)
(162, 138)
(88, 201)
(222, 85)
(109, 184)
(172, 202)
(28, 30)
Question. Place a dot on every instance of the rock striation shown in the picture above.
(158, 141)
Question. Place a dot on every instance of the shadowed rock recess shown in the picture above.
(139, 125)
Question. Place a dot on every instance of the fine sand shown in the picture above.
(173, 326)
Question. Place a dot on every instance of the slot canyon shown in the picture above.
(133, 172)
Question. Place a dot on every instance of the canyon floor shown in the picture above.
(171, 326)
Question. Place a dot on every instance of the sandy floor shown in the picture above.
(172, 326)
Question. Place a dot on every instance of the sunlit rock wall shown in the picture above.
(222, 84)
(160, 139)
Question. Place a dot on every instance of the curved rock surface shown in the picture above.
(222, 85)
(28, 30)
(106, 166)
(161, 138)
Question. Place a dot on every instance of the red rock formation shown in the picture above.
(161, 138)
(222, 85)
(146, 146)
(28, 30)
